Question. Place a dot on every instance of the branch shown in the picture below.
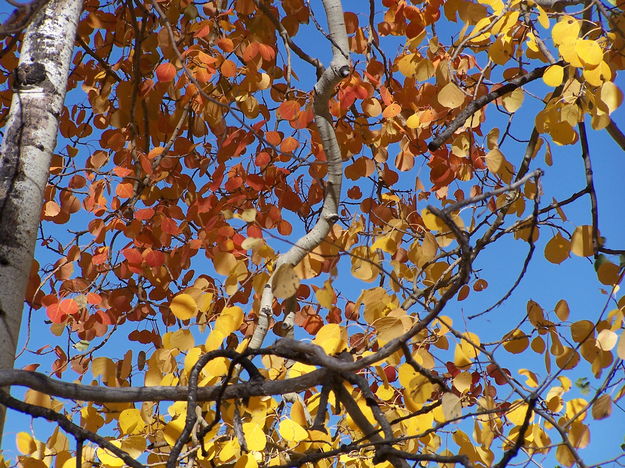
(365, 426)
(590, 187)
(482, 101)
(78, 432)
(324, 88)
(287, 39)
(21, 16)
(56, 388)
(442, 459)
(616, 134)
(512, 452)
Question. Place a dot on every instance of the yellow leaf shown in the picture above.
(532, 379)
(284, 282)
(516, 341)
(513, 101)
(517, 414)
(69, 463)
(553, 76)
(25, 443)
(543, 19)
(331, 337)
(325, 296)
(183, 306)
(620, 350)
(291, 431)
(562, 310)
(387, 244)
(254, 436)
(224, 263)
(597, 76)
(602, 407)
(173, 429)
(567, 29)
(181, 339)
(451, 96)
(389, 328)
(431, 221)
(247, 460)
(589, 52)
(564, 456)
(579, 434)
(462, 382)
(204, 302)
(581, 241)
(214, 340)
(385, 392)
(424, 70)
(611, 96)
(557, 249)
(569, 53)
(108, 459)
(495, 160)
(452, 406)
(229, 320)
(229, 450)
(606, 340)
(465, 352)
(130, 421)
(406, 65)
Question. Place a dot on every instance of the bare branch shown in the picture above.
(514, 450)
(590, 187)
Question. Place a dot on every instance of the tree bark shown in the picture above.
(39, 85)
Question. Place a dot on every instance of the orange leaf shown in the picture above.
(228, 68)
(165, 72)
(125, 190)
(144, 214)
(288, 110)
(289, 144)
(391, 111)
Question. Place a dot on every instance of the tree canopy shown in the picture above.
(293, 233)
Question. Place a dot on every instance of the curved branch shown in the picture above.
(324, 88)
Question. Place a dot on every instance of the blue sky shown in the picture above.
(545, 283)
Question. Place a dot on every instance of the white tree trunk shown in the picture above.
(29, 139)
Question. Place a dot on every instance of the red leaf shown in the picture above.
(133, 256)
(155, 258)
(169, 226)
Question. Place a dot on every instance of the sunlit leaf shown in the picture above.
(284, 281)
(183, 306)
(291, 431)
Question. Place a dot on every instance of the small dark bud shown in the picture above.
(345, 71)
(333, 218)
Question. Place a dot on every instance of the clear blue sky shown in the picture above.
(545, 283)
